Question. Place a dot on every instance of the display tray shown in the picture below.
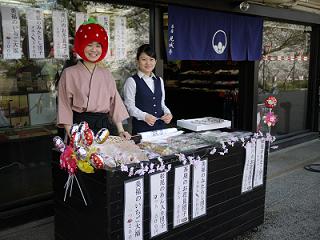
(202, 124)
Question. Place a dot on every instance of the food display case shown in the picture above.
(203, 88)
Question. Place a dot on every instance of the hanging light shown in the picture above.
(244, 6)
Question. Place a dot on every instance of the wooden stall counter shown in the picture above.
(220, 200)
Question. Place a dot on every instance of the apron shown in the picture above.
(96, 121)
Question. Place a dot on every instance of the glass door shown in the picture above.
(283, 73)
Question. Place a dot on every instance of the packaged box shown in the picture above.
(202, 124)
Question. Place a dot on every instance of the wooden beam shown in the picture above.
(254, 9)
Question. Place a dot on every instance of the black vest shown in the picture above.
(149, 102)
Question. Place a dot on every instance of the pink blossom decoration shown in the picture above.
(270, 119)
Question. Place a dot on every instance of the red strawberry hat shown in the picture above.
(90, 31)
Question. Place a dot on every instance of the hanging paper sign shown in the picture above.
(259, 163)
(60, 34)
(199, 189)
(120, 38)
(133, 209)
(104, 20)
(181, 195)
(11, 33)
(35, 33)
(80, 18)
(248, 167)
(158, 204)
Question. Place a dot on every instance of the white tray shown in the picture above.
(202, 124)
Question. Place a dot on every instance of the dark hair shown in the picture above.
(145, 48)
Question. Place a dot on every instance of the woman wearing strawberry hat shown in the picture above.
(88, 92)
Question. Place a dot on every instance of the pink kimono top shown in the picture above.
(82, 91)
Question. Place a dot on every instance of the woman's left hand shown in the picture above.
(125, 135)
(167, 118)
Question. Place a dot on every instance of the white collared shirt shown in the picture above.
(129, 93)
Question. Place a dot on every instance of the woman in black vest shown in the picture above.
(144, 95)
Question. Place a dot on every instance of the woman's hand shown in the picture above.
(122, 133)
(125, 135)
(150, 119)
(167, 118)
(67, 128)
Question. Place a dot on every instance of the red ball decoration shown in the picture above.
(83, 126)
(270, 102)
(74, 128)
(75, 139)
(88, 137)
(68, 161)
(97, 161)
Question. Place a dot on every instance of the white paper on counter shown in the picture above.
(133, 209)
(120, 36)
(259, 163)
(181, 195)
(11, 33)
(248, 167)
(158, 204)
(60, 34)
(35, 33)
(199, 189)
(156, 133)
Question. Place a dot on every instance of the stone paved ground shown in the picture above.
(293, 196)
(292, 201)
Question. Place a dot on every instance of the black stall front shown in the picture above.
(220, 200)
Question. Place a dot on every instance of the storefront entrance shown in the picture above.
(284, 73)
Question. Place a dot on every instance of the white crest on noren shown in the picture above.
(219, 47)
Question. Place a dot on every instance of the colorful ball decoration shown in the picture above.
(97, 161)
(102, 135)
(80, 153)
(83, 126)
(68, 160)
(75, 139)
(270, 102)
(270, 119)
(88, 137)
(59, 144)
(74, 128)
